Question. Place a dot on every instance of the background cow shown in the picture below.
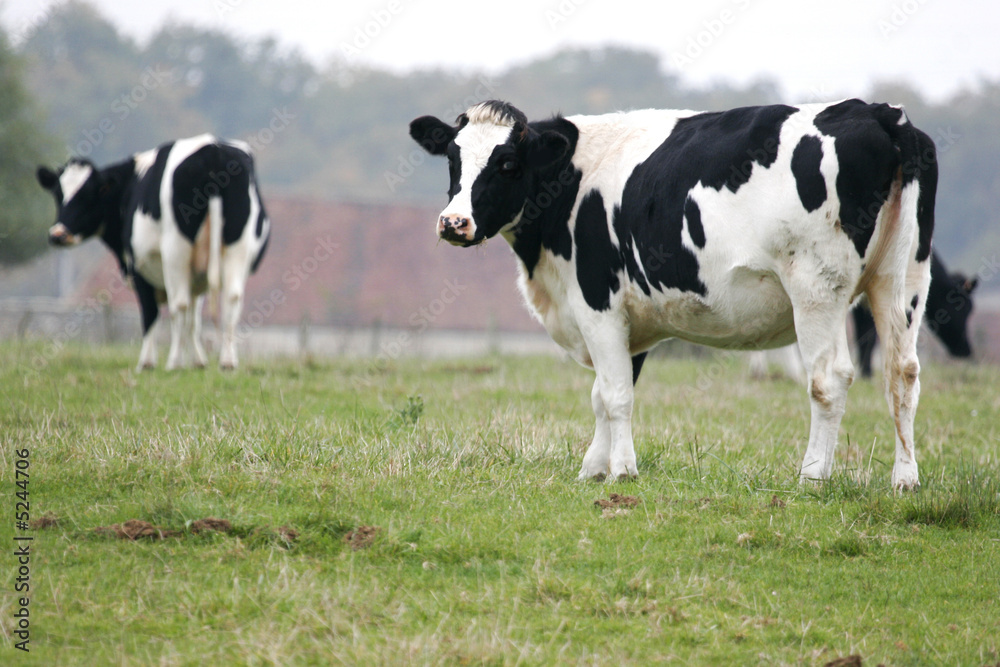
(181, 219)
(949, 304)
(739, 229)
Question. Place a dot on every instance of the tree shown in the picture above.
(25, 209)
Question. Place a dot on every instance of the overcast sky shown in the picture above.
(813, 49)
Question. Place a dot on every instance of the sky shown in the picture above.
(814, 50)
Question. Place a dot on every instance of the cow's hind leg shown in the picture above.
(235, 269)
(898, 311)
(177, 279)
(200, 358)
(822, 335)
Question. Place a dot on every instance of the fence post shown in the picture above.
(304, 325)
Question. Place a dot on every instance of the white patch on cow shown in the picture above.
(73, 178)
(144, 161)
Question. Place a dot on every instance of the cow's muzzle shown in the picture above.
(457, 230)
(60, 236)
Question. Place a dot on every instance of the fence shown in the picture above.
(54, 319)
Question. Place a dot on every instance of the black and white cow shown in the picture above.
(181, 219)
(949, 304)
(742, 229)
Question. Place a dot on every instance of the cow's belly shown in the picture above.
(748, 310)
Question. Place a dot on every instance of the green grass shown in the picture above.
(487, 549)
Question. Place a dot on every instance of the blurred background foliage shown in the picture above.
(76, 86)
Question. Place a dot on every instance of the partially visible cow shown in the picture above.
(181, 219)
(949, 304)
(738, 229)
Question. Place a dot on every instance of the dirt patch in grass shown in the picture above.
(361, 537)
(617, 501)
(46, 521)
(211, 524)
(849, 661)
(135, 529)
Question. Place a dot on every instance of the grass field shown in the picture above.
(428, 513)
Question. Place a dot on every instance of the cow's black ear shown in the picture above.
(47, 178)
(432, 134)
(546, 148)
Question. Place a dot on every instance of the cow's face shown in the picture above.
(493, 158)
(950, 318)
(79, 190)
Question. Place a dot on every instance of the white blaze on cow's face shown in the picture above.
(475, 144)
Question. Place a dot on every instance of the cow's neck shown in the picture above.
(114, 197)
(544, 223)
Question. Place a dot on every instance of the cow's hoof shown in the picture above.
(148, 366)
(905, 479)
(623, 473)
(586, 476)
(229, 366)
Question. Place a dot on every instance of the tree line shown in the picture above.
(77, 86)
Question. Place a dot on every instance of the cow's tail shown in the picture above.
(214, 221)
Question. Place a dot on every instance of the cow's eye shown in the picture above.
(508, 167)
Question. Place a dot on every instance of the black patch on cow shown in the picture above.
(598, 261)
(809, 181)
(151, 182)
(148, 306)
(915, 301)
(626, 245)
(214, 171)
(949, 306)
(545, 220)
(693, 215)
(718, 150)
(872, 147)
(637, 361)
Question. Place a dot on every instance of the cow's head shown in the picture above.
(950, 318)
(494, 158)
(79, 189)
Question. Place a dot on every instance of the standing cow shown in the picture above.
(743, 229)
(181, 219)
(949, 304)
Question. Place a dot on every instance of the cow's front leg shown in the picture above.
(150, 308)
(597, 460)
(613, 364)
